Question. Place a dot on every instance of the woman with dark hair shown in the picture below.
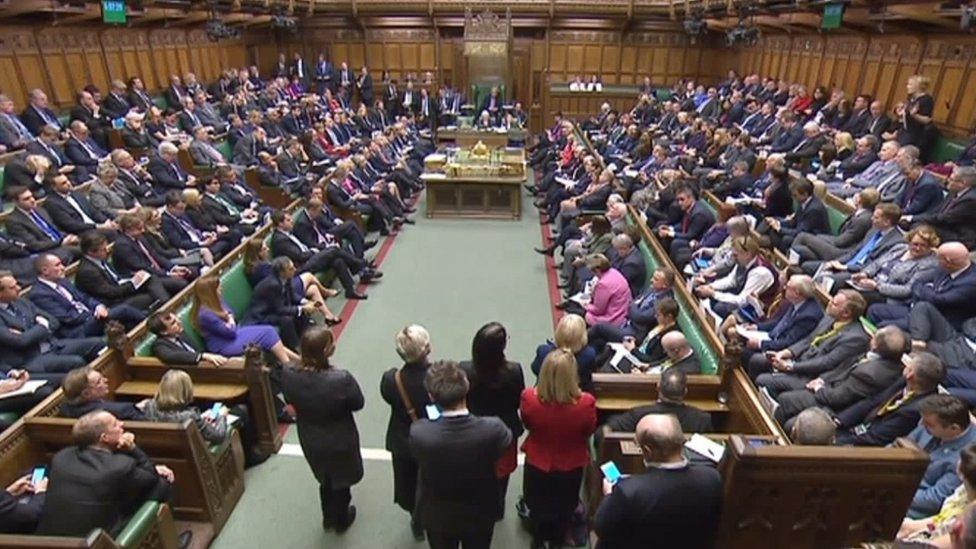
(496, 389)
(325, 398)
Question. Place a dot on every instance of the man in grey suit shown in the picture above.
(837, 342)
(883, 173)
(883, 237)
(839, 388)
(824, 247)
(202, 150)
(457, 489)
(13, 133)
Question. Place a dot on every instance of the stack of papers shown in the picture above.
(706, 447)
(28, 388)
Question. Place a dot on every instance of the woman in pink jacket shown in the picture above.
(611, 294)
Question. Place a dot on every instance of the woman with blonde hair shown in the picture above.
(403, 389)
(173, 403)
(220, 332)
(560, 419)
(152, 220)
(570, 335)
(916, 113)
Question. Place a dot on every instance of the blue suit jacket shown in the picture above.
(953, 297)
(177, 235)
(784, 331)
(59, 307)
(940, 479)
(925, 199)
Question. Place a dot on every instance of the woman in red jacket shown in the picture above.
(560, 419)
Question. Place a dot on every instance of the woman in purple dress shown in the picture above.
(220, 332)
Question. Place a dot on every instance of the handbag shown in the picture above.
(407, 403)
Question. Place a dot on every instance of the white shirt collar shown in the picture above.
(455, 413)
(674, 465)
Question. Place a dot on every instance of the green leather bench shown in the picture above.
(835, 218)
(225, 149)
(947, 149)
(689, 327)
(138, 527)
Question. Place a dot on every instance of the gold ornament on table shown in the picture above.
(479, 151)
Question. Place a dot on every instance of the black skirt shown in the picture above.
(551, 496)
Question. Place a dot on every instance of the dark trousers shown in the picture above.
(338, 260)
(600, 334)
(405, 482)
(792, 403)
(335, 502)
(162, 288)
(890, 314)
(812, 247)
(926, 323)
(349, 232)
(960, 382)
(776, 383)
(66, 355)
(476, 539)
(128, 315)
(551, 497)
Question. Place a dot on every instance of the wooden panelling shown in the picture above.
(63, 60)
(879, 65)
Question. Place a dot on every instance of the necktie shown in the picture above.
(230, 207)
(299, 243)
(54, 155)
(88, 149)
(48, 229)
(74, 204)
(685, 222)
(195, 235)
(149, 256)
(47, 118)
(783, 323)
(109, 271)
(185, 345)
(79, 306)
(865, 250)
(826, 335)
(176, 171)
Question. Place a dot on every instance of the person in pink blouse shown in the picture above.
(611, 294)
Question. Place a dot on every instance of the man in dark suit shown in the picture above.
(314, 260)
(13, 133)
(681, 357)
(71, 211)
(165, 169)
(789, 137)
(863, 157)
(116, 105)
(457, 489)
(809, 217)
(671, 393)
(894, 412)
(825, 247)
(316, 221)
(838, 341)
(711, 107)
(16, 258)
(365, 85)
(27, 336)
(275, 302)
(170, 345)
(138, 97)
(88, 112)
(951, 288)
(79, 315)
(21, 505)
(857, 123)
(839, 388)
(299, 69)
(249, 146)
(132, 253)
(86, 390)
(97, 278)
(808, 147)
(136, 179)
(180, 231)
(671, 504)
(47, 146)
(82, 151)
(37, 114)
(225, 211)
(800, 319)
(31, 225)
(175, 93)
(323, 74)
(955, 218)
(878, 122)
(922, 193)
(696, 218)
(343, 77)
(101, 480)
(627, 259)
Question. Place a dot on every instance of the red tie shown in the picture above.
(685, 221)
(149, 256)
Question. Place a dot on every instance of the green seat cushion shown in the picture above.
(835, 218)
(946, 149)
(236, 290)
(9, 417)
(144, 347)
(139, 525)
(188, 329)
(225, 149)
(662, 94)
(160, 101)
(710, 207)
(64, 119)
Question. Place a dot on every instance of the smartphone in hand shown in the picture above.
(611, 472)
(37, 475)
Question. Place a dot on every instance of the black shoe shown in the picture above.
(544, 251)
(410, 210)
(562, 286)
(350, 518)
(355, 295)
(184, 539)
(255, 457)
(531, 188)
(409, 221)
(369, 244)
(562, 306)
(417, 530)
(333, 321)
(384, 232)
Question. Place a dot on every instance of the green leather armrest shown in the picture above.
(9, 417)
(138, 525)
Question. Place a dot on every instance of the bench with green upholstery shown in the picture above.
(225, 149)
(160, 101)
(835, 218)
(947, 149)
(689, 327)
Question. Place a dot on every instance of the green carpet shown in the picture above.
(451, 276)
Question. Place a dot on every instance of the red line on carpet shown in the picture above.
(552, 278)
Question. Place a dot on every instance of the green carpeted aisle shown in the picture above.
(451, 276)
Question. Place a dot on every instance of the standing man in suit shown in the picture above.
(27, 336)
(323, 74)
(343, 78)
(37, 114)
(101, 479)
(839, 388)
(955, 217)
(457, 489)
(300, 70)
(79, 315)
(365, 85)
(837, 342)
(894, 412)
(671, 504)
(951, 289)
(32, 226)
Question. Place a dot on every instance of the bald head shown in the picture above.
(813, 427)
(953, 256)
(660, 438)
(675, 344)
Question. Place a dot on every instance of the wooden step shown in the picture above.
(202, 391)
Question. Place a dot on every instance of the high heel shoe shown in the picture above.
(333, 321)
